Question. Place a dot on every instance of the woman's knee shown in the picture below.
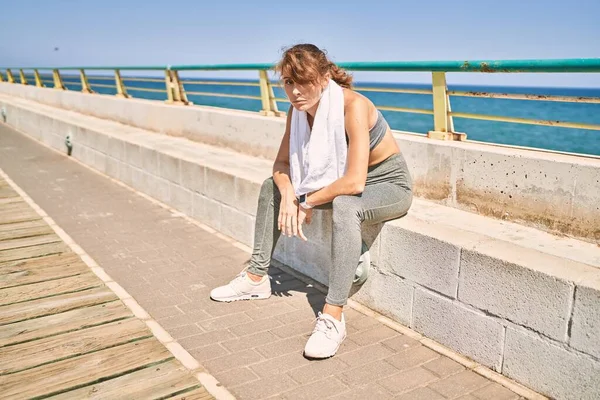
(268, 189)
(346, 208)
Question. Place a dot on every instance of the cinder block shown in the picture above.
(515, 292)
(212, 213)
(116, 148)
(99, 142)
(126, 174)
(246, 195)
(423, 259)
(81, 137)
(149, 160)
(169, 167)
(238, 225)
(585, 330)
(390, 295)
(312, 259)
(158, 188)
(99, 161)
(133, 155)
(220, 186)
(192, 176)
(454, 325)
(550, 369)
(198, 207)
(139, 180)
(180, 199)
(112, 167)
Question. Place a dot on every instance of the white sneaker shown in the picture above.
(326, 338)
(243, 288)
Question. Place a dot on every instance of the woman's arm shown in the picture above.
(353, 182)
(281, 166)
(287, 221)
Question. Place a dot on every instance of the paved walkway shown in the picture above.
(63, 332)
(253, 348)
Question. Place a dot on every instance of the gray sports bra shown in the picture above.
(377, 132)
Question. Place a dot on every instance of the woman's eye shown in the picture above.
(288, 82)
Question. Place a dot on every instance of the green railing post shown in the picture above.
(23, 78)
(58, 82)
(175, 90)
(10, 77)
(443, 126)
(269, 105)
(1, 77)
(85, 85)
(38, 78)
(121, 90)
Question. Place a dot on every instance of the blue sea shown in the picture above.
(545, 137)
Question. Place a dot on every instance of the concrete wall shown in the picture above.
(528, 314)
(557, 193)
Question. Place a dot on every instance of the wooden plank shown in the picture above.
(39, 290)
(22, 217)
(28, 241)
(19, 217)
(11, 200)
(198, 394)
(62, 259)
(14, 208)
(22, 225)
(68, 321)
(54, 305)
(24, 274)
(28, 355)
(32, 252)
(7, 191)
(83, 370)
(156, 382)
(24, 229)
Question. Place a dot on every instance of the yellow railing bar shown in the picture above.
(390, 90)
(405, 110)
(146, 89)
(219, 83)
(386, 108)
(102, 85)
(568, 99)
(238, 96)
(101, 78)
(515, 120)
(144, 79)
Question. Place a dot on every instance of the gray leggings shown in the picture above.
(387, 195)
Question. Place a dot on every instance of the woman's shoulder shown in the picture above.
(354, 101)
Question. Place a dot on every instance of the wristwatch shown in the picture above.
(302, 202)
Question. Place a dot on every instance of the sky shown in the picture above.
(149, 32)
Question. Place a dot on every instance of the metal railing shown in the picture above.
(176, 90)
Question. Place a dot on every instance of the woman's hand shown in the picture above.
(288, 214)
(304, 215)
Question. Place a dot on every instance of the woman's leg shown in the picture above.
(378, 203)
(266, 233)
(253, 283)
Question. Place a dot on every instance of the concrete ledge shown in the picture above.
(511, 297)
(505, 183)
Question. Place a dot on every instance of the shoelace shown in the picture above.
(324, 325)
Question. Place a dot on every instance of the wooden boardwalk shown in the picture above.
(63, 333)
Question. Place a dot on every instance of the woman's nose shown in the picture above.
(295, 91)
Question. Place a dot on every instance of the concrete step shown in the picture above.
(518, 300)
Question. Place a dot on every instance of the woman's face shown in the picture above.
(304, 97)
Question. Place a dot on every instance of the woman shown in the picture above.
(375, 186)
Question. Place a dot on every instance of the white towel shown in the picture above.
(319, 158)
